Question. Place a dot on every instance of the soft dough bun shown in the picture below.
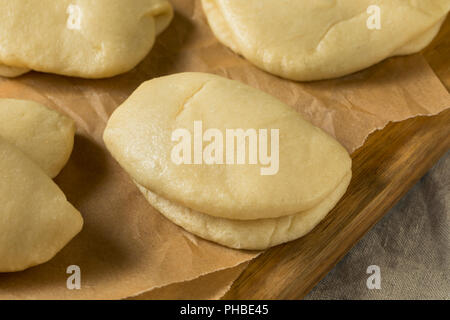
(36, 221)
(44, 135)
(314, 169)
(247, 234)
(84, 38)
(312, 40)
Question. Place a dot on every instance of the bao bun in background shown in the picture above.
(85, 38)
(307, 40)
(233, 205)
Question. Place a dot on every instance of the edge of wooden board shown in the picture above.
(391, 161)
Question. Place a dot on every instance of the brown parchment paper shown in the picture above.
(211, 286)
(126, 247)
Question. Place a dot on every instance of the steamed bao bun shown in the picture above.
(44, 135)
(233, 205)
(83, 38)
(307, 40)
(36, 221)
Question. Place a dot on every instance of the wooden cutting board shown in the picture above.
(384, 169)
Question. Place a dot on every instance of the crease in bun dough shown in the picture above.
(44, 135)
(84, 38)
(36, 221)
(312, 165)
(314, 40)
(11, 72)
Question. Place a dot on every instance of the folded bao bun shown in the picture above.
(234, 205)
(307, 40)
(247, 234)
(85, 38)
(36, 221)
(44, 135)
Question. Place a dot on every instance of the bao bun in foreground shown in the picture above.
(308, 40)
(44, 135)
(84, 38)
(234, 205)
(36, 220)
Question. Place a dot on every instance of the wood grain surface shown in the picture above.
(384, 169)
